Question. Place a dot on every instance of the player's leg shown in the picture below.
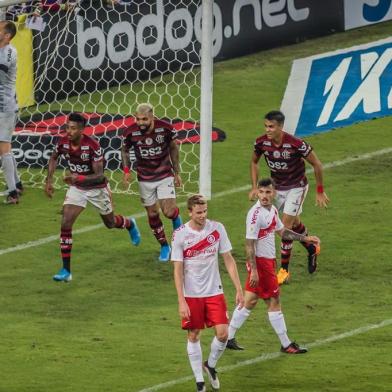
(216, 316)
(167, 200)
(102, 200)
(70, 214)
(149, 199)
(239, 317)
(7, 126)
(195, 357)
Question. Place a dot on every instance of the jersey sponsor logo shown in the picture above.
(150, 152)
(158, 130)
(76, 168)
(276, 154)
(160, 139)
(149, 141)
(276, 165)
(337, 89)
(84, 156)
(255, 215)
(286, 145)
(286, 154)
(203, 247)
(266, 143)
(84, 147)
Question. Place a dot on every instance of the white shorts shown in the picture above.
(7, 126)
(100, 198)
(290, 202)
(150, 192)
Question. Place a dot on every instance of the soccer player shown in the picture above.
(87, 184)
(285, 156)
(261, 224)
(158, 170)
(201, 302)
(8, 110)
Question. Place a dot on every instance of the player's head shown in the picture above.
(273, 123)
(7, 31)
(266, 191)
(144, 116)
(75, 125)
(197, 207)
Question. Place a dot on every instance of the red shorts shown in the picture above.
(206, 311)
(268, 282)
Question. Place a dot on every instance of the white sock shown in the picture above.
(217, 349)
(278, 324)
(238, 318)
(9, 171)
(196, 360)
(16, 175)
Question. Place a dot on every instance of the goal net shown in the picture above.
(103, 59)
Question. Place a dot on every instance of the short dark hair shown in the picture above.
(78, 118)
(266, 182)
(10, 28)
(196, 200)
(275, 115)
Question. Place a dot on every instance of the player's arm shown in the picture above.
(290, 235)
(254, 175)
(52, 164)
(231, 267)
(183, 308)
(88, 179)
(322, 199)
(175, 160)
(250, 246)
(126, 163)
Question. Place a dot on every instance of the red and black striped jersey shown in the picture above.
(285, 161)
(80, 160)
(152, 150)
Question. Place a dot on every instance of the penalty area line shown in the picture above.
(86, 229)
(269, 356)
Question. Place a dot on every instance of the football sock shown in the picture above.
(176, 213)
(285, 253)
(66, 247)
(195, 359)
(278, 324)
(16, 175)
(217, 349)
(7, 164)
(157, 229)
(120, 222)
(238, 318)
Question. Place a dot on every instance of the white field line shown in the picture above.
(330, 165)
(269, 356)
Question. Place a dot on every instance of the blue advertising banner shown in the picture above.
(339, 88)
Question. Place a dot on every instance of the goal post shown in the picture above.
(103, 59)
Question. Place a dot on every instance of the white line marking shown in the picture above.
(330, 165)
(268, 356)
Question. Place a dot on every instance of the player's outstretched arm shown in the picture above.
(183, 308)
(52, 164)
(322, 199)
(125, 164)
(254, 175)
(231, 267)
(290, 235)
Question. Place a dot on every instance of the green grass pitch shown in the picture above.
(116, 328)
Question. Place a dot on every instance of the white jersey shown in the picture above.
(8, 58)
(261, 225)
(198, 250)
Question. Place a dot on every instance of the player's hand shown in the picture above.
(183, 310)
(239, 299)
(49, 190)
(177, 181)
(322, 200)
(254, 278)
(312, 239)
(70, 179)
(253, 194)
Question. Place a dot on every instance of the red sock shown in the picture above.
(175, 214)
(66, 247)
(157, 229)
(285, 253)
(120, 222)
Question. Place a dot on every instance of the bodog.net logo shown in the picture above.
(35, 137)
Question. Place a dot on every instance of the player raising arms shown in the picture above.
(87, 184)
(158, 170)
(285, 155)
(201, 302)
(261, 224)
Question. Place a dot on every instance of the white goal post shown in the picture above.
(103, 59)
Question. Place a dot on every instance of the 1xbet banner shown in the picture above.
(339, 88)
